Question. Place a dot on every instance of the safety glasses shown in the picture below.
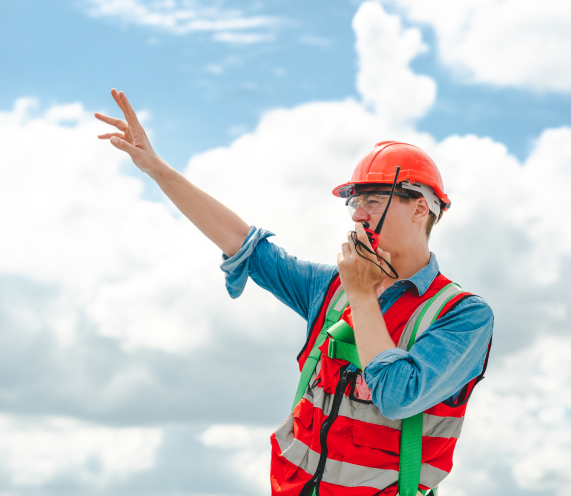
(371, 202)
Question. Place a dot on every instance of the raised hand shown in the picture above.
(222, 226)
(132, 138)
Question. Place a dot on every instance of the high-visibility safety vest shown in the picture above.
(336, 442)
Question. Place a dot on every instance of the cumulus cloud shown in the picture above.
(519, 424)
(117, 305)
(514, 43)
(250, 453)
(385, 79)
(180, 17)
(63, 195)
(35, 451)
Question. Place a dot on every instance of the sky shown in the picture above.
(125, 366)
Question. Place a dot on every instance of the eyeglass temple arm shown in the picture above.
(382, 219)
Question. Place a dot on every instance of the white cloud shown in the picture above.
(518, 43)
(385, 79)
(519, 422)
(490, 182)
(76, 221)
(242, 38)
(179, 17)
(249, 452)
(36, 450)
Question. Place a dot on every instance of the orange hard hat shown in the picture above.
(379, 167)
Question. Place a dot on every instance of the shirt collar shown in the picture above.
(424, 277)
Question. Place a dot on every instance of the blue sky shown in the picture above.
(117, 334)
(202, 93)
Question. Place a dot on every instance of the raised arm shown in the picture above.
(217, 222)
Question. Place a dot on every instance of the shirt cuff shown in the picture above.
(236, 268)
(376, 366)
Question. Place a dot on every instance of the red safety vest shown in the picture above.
(335, 436)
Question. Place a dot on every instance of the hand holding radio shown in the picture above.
(357, 274)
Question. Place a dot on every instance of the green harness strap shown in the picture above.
(331, 319)
(411, 434)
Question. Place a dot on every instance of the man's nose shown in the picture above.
(361, 216)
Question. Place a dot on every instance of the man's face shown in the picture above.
(400, 219)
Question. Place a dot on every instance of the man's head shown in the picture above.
(420, 199)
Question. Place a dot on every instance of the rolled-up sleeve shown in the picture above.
(236, 268)
(449, 354)
(296, 283)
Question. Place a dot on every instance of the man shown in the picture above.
(394, 348)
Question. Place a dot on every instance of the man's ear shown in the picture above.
(421, 210)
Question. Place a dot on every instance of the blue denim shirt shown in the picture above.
(447, 355)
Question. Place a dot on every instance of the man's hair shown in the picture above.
(431, 216)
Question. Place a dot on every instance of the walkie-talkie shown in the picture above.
(375, 236)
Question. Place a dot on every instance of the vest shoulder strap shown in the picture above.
(426, 314)
(334, 313)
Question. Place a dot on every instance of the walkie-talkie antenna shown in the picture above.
(382, 219)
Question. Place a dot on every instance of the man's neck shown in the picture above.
(407, 263)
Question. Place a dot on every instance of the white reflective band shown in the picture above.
(341, 303)
(426, 191)
(432, 426)
(334, 298)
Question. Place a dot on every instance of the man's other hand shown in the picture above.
(358, 274)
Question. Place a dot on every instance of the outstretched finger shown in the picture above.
(115, 95)
(133, 151)
(118, 123)
(128, 111)
(111, 135)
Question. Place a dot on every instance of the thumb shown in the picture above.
(133, 151)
